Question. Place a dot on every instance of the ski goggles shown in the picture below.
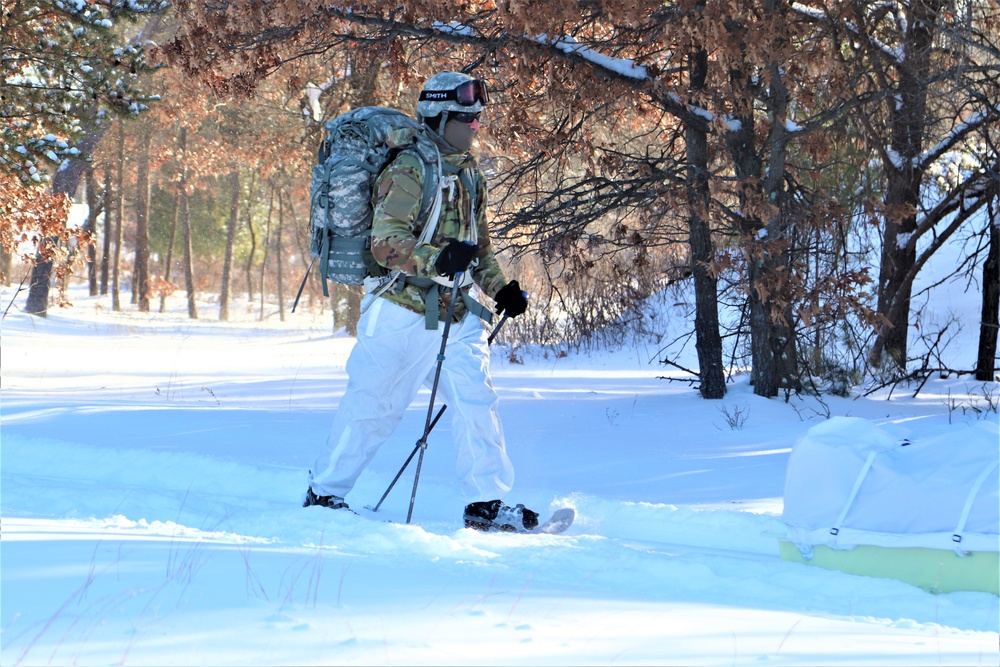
(466, 94)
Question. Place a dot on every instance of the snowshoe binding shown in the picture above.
(333, 502)
(495, 516)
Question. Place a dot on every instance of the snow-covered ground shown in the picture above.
(153, 469)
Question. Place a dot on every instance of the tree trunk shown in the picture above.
(253, 242)
(119, 214)
(279, 268)
(748, 167)
(773, 352)
(908, 123)
(266, 245)
(94, 206)
(227, 264)
(988, 328)
(140, 281)
(782, 351)
(186, 227)
(5, 265)
(66, 180)
(168, 261)
(708, 340)
(108, 227)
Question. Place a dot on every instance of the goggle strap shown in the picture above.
(480, 93)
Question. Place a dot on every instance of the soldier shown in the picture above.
(398, 337)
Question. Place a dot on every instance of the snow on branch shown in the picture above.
(896, 54)
(454, 28)
(968, 196)
(626, 67)
(957, 134)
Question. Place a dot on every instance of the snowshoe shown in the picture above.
(333, 502)
(494, 515)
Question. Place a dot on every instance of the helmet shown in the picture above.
(451, 91)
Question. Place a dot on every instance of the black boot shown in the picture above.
(333, 502)
(493, 515)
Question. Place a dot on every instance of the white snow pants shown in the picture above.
(394, 355)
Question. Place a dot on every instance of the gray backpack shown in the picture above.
(352, 156)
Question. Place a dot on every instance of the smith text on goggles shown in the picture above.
(466, 94)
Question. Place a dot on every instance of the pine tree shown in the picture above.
(65, 66)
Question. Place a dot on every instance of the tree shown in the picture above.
(29, 213)
(231, 228)
(708, 341)
(140, 277)
(64, 68)
(106, 246)
(64, 184)
(577, 189)
(935, 64)
(118, 206)
(615, 142)
(989, 325)
(60, 58)
(95, 207)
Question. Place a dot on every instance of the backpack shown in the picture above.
(351, 157)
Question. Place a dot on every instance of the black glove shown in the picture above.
(455, 257)
(511, 299)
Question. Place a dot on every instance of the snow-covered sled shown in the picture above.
(925, 511)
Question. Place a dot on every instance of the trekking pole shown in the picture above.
(496, 329)
(409, 458)
(429, 424)
(303, 285)
(422, 442)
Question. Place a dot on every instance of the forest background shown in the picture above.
(785, 168)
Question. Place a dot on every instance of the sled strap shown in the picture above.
(957, 537)
(854, 493)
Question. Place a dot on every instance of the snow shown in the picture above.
(958, 132)
(792, 126)
(153, 469)
(625, 67)
(897, 160)
(702, 113)
(812, 12)
(454, 28)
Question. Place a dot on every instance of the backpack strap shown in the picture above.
(432, 293)
(434, 176)
(430, 207)
(434, 213)
(470, 179)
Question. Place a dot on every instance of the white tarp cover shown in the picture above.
(850, 482)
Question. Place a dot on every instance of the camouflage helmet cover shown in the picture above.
(445, 82)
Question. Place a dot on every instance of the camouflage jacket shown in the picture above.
(396, 200)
